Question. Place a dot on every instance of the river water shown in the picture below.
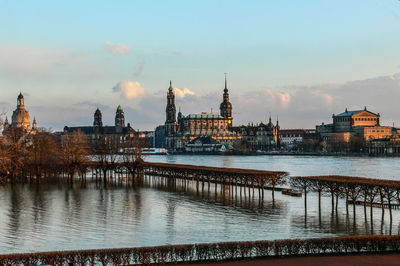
(60, 217)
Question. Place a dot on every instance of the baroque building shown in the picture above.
(182, 130)
(354, 123)
(117, 134)
(263, 137)
(20, 118)
(210, 132)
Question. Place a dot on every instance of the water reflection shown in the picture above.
(85, 216)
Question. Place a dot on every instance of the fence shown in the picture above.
(210, 252)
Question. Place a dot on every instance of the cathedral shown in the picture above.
(118, 134)
(20, 118)
(213, 132)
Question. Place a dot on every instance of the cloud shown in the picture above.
(183, 93)
(176, 53)
(284, 98)
(139, 71)
(117, 49)
(35, 63)
(327, 98)
(129, 89)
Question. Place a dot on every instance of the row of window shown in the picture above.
(365, 119)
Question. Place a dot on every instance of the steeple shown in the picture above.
(226, 107)
(226, 86)
(34, 124)
(97, 118)
(20, 100)
(180, 116)
(170, 110)
(119, 117)
(170, 86)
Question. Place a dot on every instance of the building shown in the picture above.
(20, 118)
(206, 145)
(117, 134)
(159, 137)
(181, 130)
(290, 137)
(262, 137)
(357, 123)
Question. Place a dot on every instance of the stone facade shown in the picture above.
(289, 137)
(20, 118)
(117, 134)
(181, 130)
(263, 137)
(361, 123)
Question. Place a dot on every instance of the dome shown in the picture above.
(225, 105)
(21, 118)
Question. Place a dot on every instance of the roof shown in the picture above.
(350, 113)
(204, 116)
(102, 130)
(204, 140)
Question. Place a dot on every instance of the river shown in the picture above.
(60, 217)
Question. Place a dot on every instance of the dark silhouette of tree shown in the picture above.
(132, 155)
(74, 152)
(43, 153)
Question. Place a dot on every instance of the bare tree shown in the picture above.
(105, 153)
(14, 151)
(132, 155)
(43, 152)
(74, 152)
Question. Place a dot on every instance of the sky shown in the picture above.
(301, 61)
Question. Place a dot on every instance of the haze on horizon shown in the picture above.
(301, 60)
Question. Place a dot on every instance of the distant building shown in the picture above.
(181, 130)
(118, 134)
(290, 137)
(205, 144)
(361, 123)
(20, 118)
(261, 136)
(159, 137)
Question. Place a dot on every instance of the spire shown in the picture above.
(34, 124)
(277, 120)
(270, 117)
(226, 86)
(170, 85)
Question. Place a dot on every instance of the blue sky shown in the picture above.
(281, 57)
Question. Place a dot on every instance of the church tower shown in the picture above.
(226, 106)
(97, 119)
(119, 117)
(20, 117)
(170, 122)
(34, 124)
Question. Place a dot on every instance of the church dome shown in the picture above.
(20, 117)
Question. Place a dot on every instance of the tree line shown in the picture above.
(44, 156)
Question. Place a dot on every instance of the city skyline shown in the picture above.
(300, 62)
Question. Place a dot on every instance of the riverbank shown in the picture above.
(353, 260)
(288, 153)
